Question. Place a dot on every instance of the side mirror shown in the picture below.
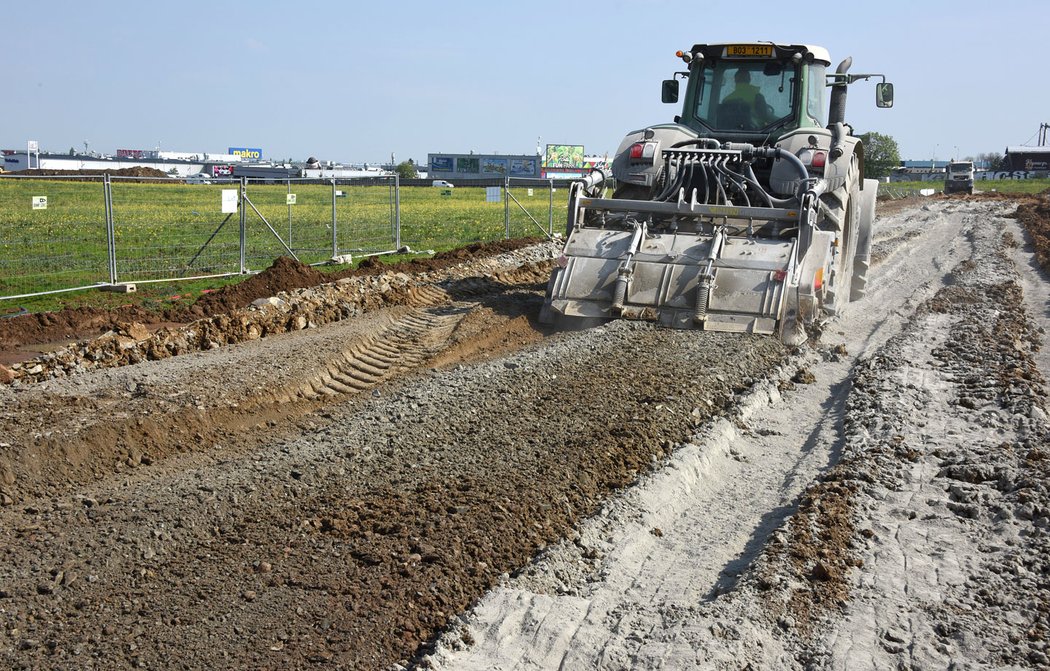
(884, 94)
(669, 91)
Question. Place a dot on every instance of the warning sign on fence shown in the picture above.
(291, 199)
(39, 202)
(229, 201)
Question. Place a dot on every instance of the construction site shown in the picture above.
(744, 413)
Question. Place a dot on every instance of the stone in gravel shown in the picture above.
(803, 376)
(7, 376)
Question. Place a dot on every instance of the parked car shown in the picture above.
(199, 178)
(443, 184)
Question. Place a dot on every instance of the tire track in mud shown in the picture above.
(407, 343)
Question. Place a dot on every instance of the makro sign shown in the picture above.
(246, 152)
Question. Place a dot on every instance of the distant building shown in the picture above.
(483, 166)
(1027, 158)
(184, 164)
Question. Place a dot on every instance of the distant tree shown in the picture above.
(993, 159)
(407, 170)
(881, 154)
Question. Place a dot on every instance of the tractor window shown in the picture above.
(745, 95)
(815, 106)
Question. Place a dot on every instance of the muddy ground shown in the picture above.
(334, 477)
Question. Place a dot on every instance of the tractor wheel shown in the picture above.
(862, 257)
(839, 288)
(859, 288)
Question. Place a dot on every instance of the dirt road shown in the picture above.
(341, 491)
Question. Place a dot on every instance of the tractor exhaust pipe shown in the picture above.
(837, 111)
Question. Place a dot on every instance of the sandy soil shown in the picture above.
(405, 470)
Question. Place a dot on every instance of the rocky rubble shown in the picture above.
(296, 310)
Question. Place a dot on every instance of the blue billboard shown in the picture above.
(246, 152)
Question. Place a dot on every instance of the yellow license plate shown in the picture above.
(749, 50)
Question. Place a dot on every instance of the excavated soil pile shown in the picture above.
(74, 323)
(1035, 216)
(284, 274)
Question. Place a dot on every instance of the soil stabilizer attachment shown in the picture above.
(712, 250)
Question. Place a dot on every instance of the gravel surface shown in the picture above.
(424, 477)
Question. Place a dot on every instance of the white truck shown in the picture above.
(958, 176)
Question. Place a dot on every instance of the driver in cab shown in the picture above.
(748, 95)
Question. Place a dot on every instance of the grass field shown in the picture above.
(165, 230)
(998, 185)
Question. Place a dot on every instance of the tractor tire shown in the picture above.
(839, 289)
(859, 287)
(862, 256)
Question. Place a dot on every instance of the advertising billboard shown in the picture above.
(494, 166)
(222, 171)
(131, 153)
(441, 164)
(564, 156)
(523, 167)
(246, 152)
(469, 164)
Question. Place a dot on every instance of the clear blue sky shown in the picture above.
(350, 82)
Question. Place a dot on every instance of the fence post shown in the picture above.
(335, 220)
(550, 209)
(506, 207)
(289, 183)
(111, 233)
(397, 212)
(243, 220)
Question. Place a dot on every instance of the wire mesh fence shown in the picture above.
(62, 234)
(908, 190)
(53, 236)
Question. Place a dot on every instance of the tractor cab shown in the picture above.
(752, 92)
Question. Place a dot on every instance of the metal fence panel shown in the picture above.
(459, 215)
(58, 244)
(366, 216)
(536, 208)
(102, 230)
(167, 230)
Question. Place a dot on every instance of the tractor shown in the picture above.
(750, 212)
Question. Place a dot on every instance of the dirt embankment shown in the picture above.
(1034, 215)
(284, 275)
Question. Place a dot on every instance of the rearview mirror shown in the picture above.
(669, 91)
(884, 94)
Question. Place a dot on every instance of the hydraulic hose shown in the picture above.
(705, 142)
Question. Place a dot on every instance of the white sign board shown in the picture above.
(33, 145)
(492, 194)
(39, 202)
(291, 199)
(530, 192)
(229, 201)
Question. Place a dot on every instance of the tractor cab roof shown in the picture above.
(806, 52)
